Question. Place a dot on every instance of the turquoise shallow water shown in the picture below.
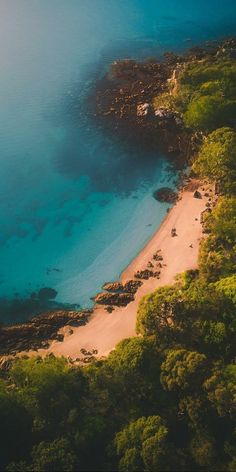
(75, 207)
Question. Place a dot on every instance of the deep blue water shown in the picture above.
(75, 207)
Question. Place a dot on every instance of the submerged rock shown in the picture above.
(47, 293)
(165, 194)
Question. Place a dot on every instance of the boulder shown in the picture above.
(197, 194)
(109, 309)
(142, 109)
(163, 112)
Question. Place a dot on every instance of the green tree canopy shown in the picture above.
(217, 157)
(221, 389)
(144, 445)
(54, 456)
(182, 369)
(227, 286)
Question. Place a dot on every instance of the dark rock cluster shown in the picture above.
(37, 332)
(116, 299)
(131, 286)
(117, 294)
(146, 274)
(157, 256)
(124, 102)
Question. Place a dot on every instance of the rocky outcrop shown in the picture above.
(113, 286)
(165, 194)
(163, 113)
(132, 286)
(124, 99)
(114, 299)
(37, 332)
(129, 287)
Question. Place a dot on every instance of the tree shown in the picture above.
(54, 456)
(208, 94)
(135, 372)
(182, 369)
(221, 389)
(144, 445)
(217, 257)
(214, 332)
(15, 427)
(131, 355)
(227, 286)
(217, 157)
(155, 311)
(203, 113)
(50, 389)
(203, 450)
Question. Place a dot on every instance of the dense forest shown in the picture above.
(165, 400)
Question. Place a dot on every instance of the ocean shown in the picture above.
(76, 206)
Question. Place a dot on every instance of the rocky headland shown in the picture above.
(39, 331)
(124, 101)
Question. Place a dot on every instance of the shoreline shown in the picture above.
(180, 253)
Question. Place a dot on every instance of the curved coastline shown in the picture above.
(104, 330)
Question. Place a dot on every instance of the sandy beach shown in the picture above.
(104, 330)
